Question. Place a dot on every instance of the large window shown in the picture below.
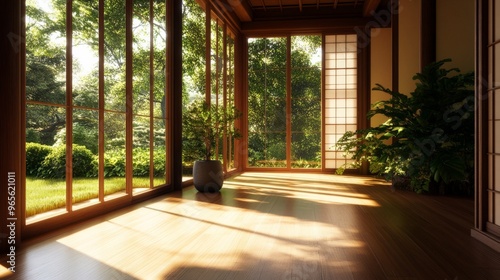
(305, 101)
(267, 102)
(46, 109)
(290, 124)
(149, 95)
(95, 127)
(194, 75)
(208, 75)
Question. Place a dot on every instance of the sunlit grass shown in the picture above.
(143, 182)
(43, 195)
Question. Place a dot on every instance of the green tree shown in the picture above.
(267, 100)
(306, 100)
(45, 80)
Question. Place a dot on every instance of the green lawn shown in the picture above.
(43, 195)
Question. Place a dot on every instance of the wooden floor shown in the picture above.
(271, 226)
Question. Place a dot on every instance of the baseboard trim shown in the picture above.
(489, 240)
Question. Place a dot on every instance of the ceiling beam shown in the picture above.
(279, 27)
(242, 10)
(370, 6)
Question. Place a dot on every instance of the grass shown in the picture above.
(43, 195)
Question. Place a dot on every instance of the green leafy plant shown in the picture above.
(114, 163)
(35, 155)
(428, 136)
(205, 124)
(54, 164)
(141, 162)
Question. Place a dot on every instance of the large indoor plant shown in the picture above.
(205, 125)
(428, 137)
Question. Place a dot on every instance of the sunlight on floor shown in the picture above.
(325, 188)
(256, 219)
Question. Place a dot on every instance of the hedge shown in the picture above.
(44, 161)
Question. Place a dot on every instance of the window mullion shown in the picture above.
(151, 94)
(128, 96)
(225, 156)
(69, 106)
(288, 101)
(101, 100)
(208, 40)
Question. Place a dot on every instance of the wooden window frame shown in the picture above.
(173, 57)
(485, 229)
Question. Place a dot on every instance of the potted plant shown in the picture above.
(205, 125)
(428, 138)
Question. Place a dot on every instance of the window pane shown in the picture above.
(306, 101)
(217, 62)
(267, 102)
(141, 153)
(160, 58)
(230, 95)
(340, 102)
(114, 55)
(160, 155)
(45, 52)
(194, 71)
(85, 156)
(86, 53)
(114, 153)
(142, 54)
(159, 94)
(45, 159)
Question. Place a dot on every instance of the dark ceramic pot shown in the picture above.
(208, 175)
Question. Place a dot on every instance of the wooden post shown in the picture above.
(428, 33)
(174, 80)
(11, 173)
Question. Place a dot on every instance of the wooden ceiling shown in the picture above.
(272, 10)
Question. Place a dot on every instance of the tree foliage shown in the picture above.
(267, 112)
(207, 124)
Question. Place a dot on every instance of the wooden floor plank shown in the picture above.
(270, 226)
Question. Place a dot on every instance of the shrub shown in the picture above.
(141, 162)
(50, 162)
(159, 157)
(54, 164)
(84, 162)
(35, 155)
(114, 163)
